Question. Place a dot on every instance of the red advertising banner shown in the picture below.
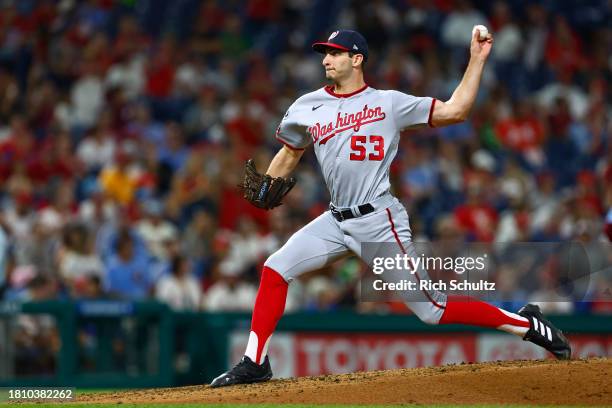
(341, 353)
(305, 354)
(584, 346)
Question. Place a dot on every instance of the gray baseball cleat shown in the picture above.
(544, 334)
(245, 372)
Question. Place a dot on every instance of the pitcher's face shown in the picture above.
(338, 65)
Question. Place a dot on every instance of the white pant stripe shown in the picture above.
(513, 315)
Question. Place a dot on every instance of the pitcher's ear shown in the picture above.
(357, 59)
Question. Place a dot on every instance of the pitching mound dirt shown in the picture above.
(578, 382)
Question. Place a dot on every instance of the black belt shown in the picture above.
(347, 214)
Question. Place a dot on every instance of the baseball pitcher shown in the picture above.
(354, 130)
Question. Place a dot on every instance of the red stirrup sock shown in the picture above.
(467, 310)
(269, 307)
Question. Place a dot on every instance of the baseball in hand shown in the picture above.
(482, 30)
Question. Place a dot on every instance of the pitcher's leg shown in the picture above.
(474, 312)
(317, 244)
(529, 323)
(268, 309)
(427, 304)
(314, 246)
(387, 234)
(434, 307)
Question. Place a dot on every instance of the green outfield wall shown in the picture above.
(111, 344)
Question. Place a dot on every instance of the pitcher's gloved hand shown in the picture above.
(262, 190)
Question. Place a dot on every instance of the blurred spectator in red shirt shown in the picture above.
(160, 74)
(563, 47)
(245, 129)
(263, 10)
(18, 147)
(478, 219)
(523, 131)
(559, 119)
(55, 161)
(587, 192)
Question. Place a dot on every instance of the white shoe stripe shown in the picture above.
(217, 378)
(544, 330)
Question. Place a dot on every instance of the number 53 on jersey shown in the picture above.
(371, 147)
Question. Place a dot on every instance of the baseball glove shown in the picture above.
(262, 190)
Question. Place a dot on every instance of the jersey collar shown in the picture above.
(330, 90)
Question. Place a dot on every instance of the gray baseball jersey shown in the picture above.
(355, 137)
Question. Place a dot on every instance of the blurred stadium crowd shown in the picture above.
(124, 126)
